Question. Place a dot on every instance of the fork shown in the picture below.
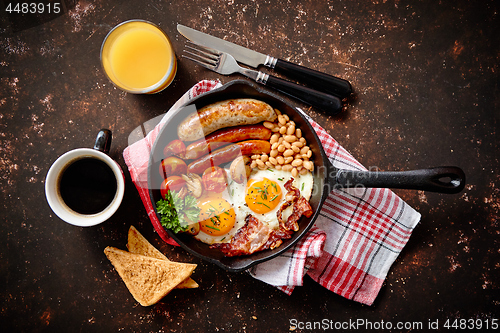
(225, 64)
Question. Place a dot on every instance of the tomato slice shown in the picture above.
(172, 183)
(171, 166)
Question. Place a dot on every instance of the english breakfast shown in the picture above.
(238, 177)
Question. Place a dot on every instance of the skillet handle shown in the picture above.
(447, 179)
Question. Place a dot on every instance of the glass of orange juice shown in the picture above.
(137, 57)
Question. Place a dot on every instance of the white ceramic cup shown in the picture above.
(52, 183)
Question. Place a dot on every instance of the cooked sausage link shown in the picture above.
(229, 153)
(233, 112)
(225, 136)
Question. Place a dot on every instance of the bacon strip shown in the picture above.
(300, 207)
(252, 237)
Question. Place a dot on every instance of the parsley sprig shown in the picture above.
(176, 212)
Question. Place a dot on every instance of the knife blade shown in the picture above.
(320, 81)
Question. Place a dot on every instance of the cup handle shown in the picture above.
(103, 141)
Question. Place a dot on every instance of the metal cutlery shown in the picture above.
(225, 64)
(321, 81)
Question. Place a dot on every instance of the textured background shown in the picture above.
(425, 76)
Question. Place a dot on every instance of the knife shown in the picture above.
(320, 81)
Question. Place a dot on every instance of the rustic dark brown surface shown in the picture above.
(426, 80)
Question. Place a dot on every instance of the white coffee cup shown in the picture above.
(61, 165)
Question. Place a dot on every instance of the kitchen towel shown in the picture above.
(350, 248)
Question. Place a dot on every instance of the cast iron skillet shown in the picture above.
(326, 177)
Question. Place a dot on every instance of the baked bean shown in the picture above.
(289, 150)
(278, 112)
(281, 119)
(268, 124)
(274, 138)
(253, 165)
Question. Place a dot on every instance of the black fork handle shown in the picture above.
(324, 82)
(320, 100)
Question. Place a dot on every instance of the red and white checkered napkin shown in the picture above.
(353, 243)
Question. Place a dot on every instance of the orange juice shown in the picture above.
(137, 57)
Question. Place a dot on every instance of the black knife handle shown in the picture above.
(325, 102)
(321, 81)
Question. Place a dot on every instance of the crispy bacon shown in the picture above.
(290, 188)
(300, 207)
(252, 237)
(256, 236)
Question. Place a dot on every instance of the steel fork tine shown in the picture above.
(199, 62)
(202, 58)
(203, 49)
(199, 53)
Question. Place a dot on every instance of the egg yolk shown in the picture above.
(263, 196)
(217, 216)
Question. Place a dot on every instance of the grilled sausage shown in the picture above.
(225, 136)
(229, 153)
(233, 112)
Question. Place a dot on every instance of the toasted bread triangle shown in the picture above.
(148, 279)
(138, 244)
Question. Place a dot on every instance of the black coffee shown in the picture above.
(88, 185)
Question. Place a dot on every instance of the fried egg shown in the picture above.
(218, 219)
(262, 196)
(223, 214)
